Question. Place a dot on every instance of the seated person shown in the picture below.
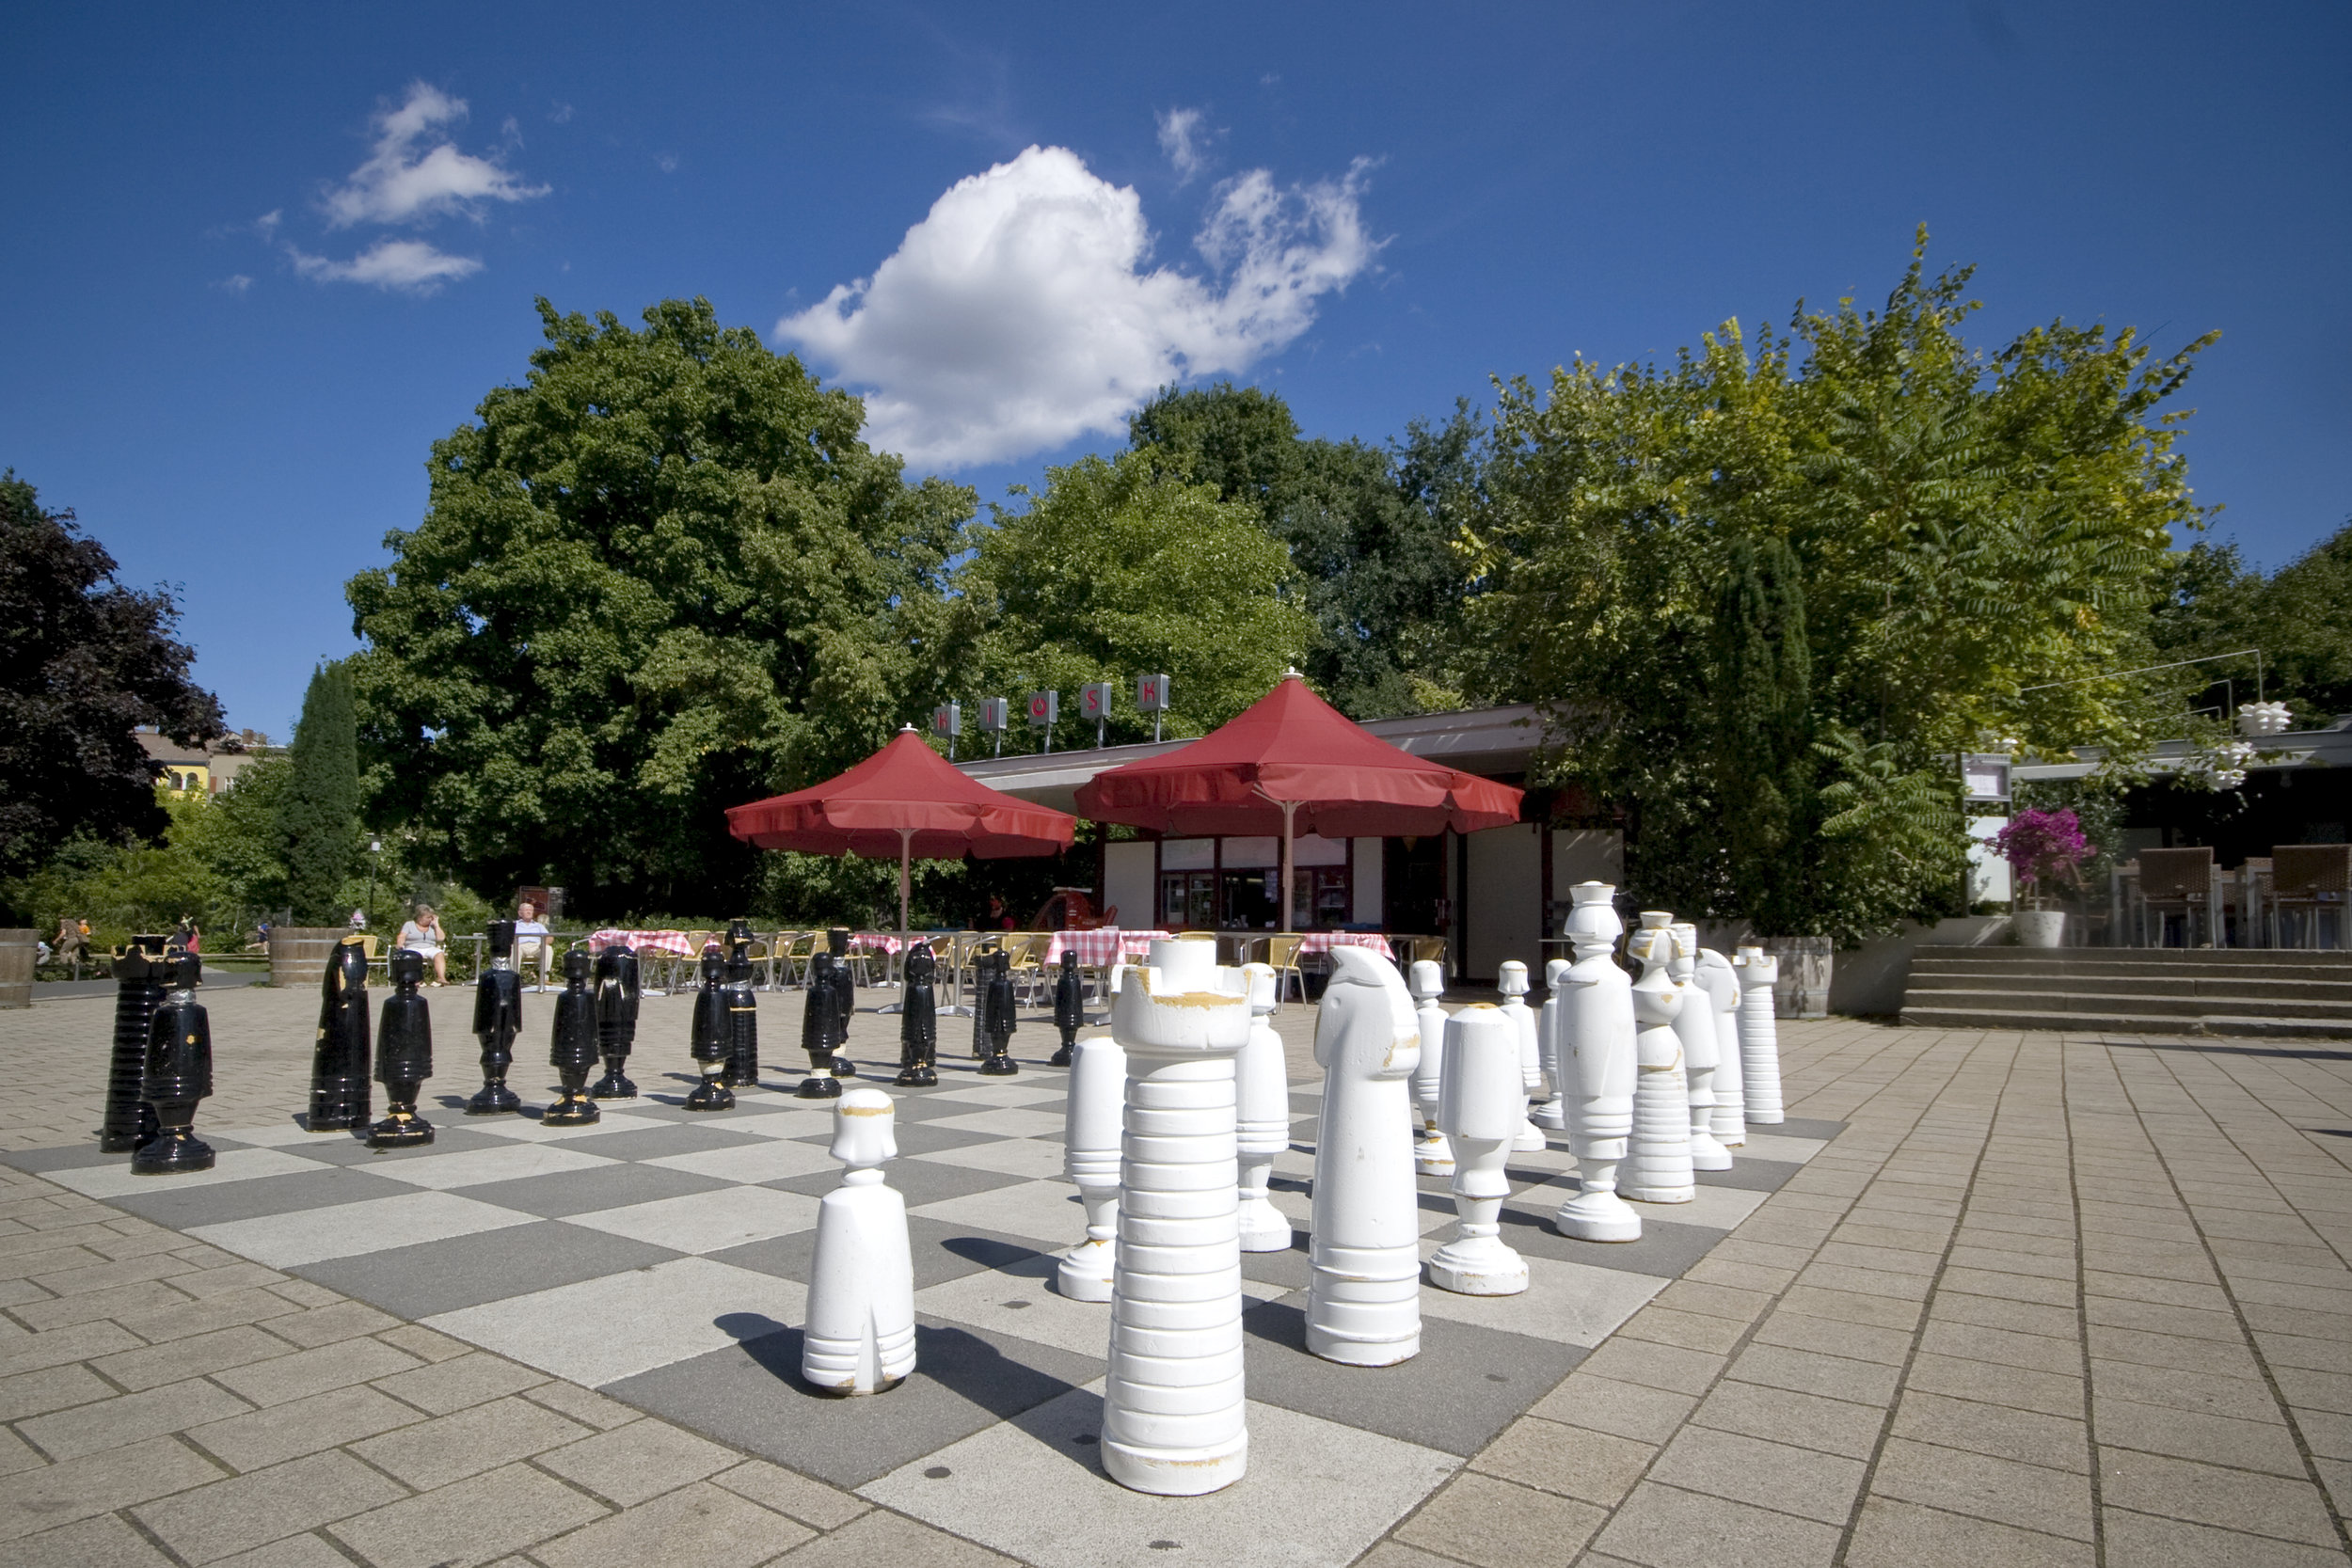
(422, 935)
(531, 939)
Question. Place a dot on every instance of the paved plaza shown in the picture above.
(1991, 1297)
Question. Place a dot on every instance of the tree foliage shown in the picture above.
(664, 576)
(83, 662)
(1964, 527)
(2300, 617)
(318, 803)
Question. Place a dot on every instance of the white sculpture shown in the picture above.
(1553, 1115)
(1511, 980)
(1483, 1102)
(1694, 1026)
(859, 1337)
(1432, 1155)
(1261, 1092)
(1595, 1046)
(1172, 1413)
(1719, 982)
(1363, 1300)
(1658, 1163)
(1091, 1123)
(1760, 1035)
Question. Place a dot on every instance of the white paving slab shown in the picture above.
(772, 1159)
(475, 1166)
(1575, 1303)
(1046, 1212)
(349, 1230)
(1028, 1157)
(601, 1330)
(1006, 1122)
(229, 1165)
(1013, 1093)
(707, 1222)
(1776, 1146)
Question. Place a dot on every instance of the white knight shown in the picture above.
(1363, 1297)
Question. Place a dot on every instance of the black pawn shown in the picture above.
(616, 1021)
(340, 1095)
(404, 1055)
(573, 1055)
(497, 1018)
(742, 1018)
(1000, 1019)
(817, 1032)
(843, 1001)
(178, 1074)
(706, 1042)
(139, 975)
(1069, 1007)
(918, 1022)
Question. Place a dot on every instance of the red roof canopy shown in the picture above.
(904, 785)
(1290, 746)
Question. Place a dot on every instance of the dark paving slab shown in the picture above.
(1751, 1174)
(584, 1192)
(465, 1271)
(182, 1208)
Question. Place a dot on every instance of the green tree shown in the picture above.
(2299, 618)
(83, 662)
(663, 577)
(1763, 764)
(318, 804)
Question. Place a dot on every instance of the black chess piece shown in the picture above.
(843, 1001)
(1000, 1017)
(404, 1055)
(983, 965)
(1070, 1009)
(743, 1017)
(616, 1021)
(340, 1095)
(573, 1053)
(497, 1018)
(918, 1021)
(706, 1042)
(817, 1031)
(139, 976)
(176, 1073)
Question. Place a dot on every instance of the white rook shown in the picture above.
(1432, 1155)
(1098, 1071)
(1659, 1169)
(1554, 1114)
(1721, 983)
(1760, 1035)
(1483, 1103)
(1597, 1055)
(1262, 1091)
(1511, 980)
(1363, 1291)
(1694, 1026)
(1172, 1418)
(859, 1337)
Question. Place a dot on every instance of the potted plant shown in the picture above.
(2042, 846)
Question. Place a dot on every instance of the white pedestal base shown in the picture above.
(1598, 1216)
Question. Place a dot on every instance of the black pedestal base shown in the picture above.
(1060, 1058)
(494, 1100)
(573, 1110)
(916, 1078)
(614, 1084)
(710, 1095)
(999, 1067)
(816, 1087)
(400, 1132)
(172, 1154)
(843, 1067)
(336, 1121)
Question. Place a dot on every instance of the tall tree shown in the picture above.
(83, 662)
(664, 576)
(2299, 618)
(1762, 769)
(318, 802)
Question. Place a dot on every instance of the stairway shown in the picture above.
(2271, 992)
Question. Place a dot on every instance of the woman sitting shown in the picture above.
(423, 935)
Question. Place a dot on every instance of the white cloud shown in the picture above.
(409, 265)
(416, 174)
(1017, 314)
(235, 283)
(1182, 136)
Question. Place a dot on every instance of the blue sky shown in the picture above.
(1370, 208)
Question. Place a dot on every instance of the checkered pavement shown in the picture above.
(662, 1257)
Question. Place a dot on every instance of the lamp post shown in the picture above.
(375, 849)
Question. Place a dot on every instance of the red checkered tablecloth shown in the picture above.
(658, 942)
(1323, 942)
(1105, 946)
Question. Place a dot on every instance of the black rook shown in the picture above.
(139, 975)
(817, 1031)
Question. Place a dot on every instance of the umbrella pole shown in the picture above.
(906, 838)
(1289, 807)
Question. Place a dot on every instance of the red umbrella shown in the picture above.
(1292, 761)
(904, 800)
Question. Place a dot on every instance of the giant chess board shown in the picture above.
(661, 1258)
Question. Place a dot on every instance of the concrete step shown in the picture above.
(2085, 1023)
(2127, 1004)
(2216, 984)
(2174, 959)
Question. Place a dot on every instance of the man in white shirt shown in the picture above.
(531, 939)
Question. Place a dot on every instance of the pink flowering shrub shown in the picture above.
(2043, 846)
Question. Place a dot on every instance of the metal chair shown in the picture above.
(2180, 881)
(2308, 881)
(1282, 956)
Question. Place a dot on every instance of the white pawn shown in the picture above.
(1658, 1169)
(1432, 1155)
(860, 1334)
(1511, 980)
(1172, 1405)
(1483, 1103)
(1262, 1093)
(1363, 1297)
(1595, 1052)
(1759, 1036)
(1721, 983)
(1097, 1077)
(1694, 1026)
(1553, 1115)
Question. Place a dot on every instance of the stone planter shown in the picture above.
(297, 953)
(2040, 928)
(1803, 989)
(18, 949)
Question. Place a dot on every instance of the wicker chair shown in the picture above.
(2308, 881)
(1282, 956)
(2179, 881)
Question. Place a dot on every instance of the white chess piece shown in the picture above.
(1694, 1026)
(1172, 1410)
(859, 1337)
(1483, 1101)
(1721, 983)
(1760, 1035)
(1658, 1169)
(1553, 1115)
(1090, 1122)
(1595, 1043)
(1511, 980)
(1363, 1298)
(1432, 1155)
(1262, 1093)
